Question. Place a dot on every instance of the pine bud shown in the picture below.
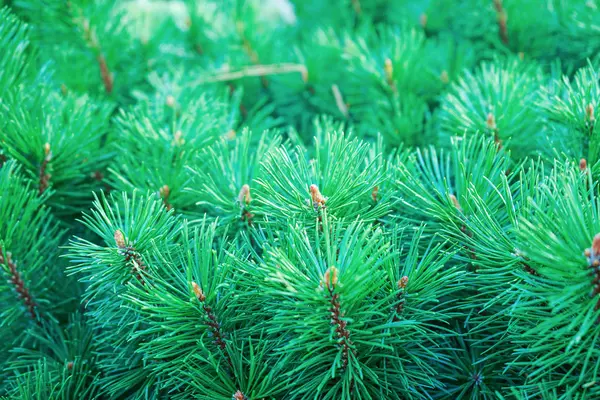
(596, 245)
(170, 101)
(521, 56)
(454, 201)
(403, 282)
(583, 164)
(331, 278)
(178, 139)
(120, 239)
(164, 191)
(374, 194)
(589, 112)
(444, 77)
(389, 70)
(230, 135)
(47, 152)
(423, 20)
(491, 121)
(239, 396)
(317, 197)
(198, 292)
(70, 365)
(244, 195)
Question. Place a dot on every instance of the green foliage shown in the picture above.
(284, 199)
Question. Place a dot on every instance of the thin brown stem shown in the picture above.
(131, 256)
(17, 280)
(44, 176)
(502, 18)
(341, 327)
(107, 77)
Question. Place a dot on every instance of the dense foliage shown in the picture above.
(294, 199)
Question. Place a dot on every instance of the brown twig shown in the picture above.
(502, 18)
(342, 332)
(44, 175)
(131, 256)
(92, 41)
(107, 77)
(213, 323)
(400, 298)
(19, 284)
(491, 124)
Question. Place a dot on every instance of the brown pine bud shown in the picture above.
(583, 164)
(164, 191)
(589, 112)
(454, 201)
(317, 197)
(403, 282)
(170, 101)
(423, 20)
(374, 194)
(491, 121)
(239, 396)
(120, 239)
(331, 278)
(63, 89)
(70, 365)
(596, 244)
(389, 70)
(521, 56)
(244, 195)
(444, 77)
(198, 292)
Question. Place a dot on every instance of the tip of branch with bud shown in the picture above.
(374, 194)
(589, 112)
(170, 101)
(178, 139)
(596, 244)
(239, 396)
(582, 165)
(455, 202)
(330, 278)
(119, 239)
(491, 121)
(317, 198)
(244, 195)
(198, 292)
(403, 282)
